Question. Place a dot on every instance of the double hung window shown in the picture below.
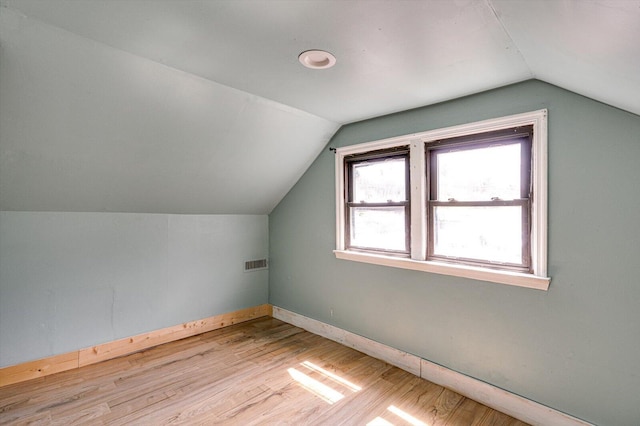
(378, 203)
(478, 204)
(466, 201)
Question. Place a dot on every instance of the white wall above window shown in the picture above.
(419, 233)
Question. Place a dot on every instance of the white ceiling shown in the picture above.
(392, 56)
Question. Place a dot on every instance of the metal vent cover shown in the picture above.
(255, 265)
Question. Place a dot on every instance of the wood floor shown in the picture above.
(263, 371)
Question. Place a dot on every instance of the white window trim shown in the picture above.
(416, 142)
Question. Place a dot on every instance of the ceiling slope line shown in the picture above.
(491, 6)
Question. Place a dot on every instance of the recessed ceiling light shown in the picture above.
(317, 59)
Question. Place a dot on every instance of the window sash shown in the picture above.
(351, 205)
(525, 226)
(518, 135)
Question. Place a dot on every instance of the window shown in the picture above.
(378, 206)
(466, 201)
(478, 204)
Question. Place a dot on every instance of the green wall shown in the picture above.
(575, 348)
(72, 280)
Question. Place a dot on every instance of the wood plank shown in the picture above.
(470, 413)
(424, 401)
(82, 416)
(38, 368)
(43, 418)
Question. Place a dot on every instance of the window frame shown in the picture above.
(382, 155)
(418, 144)
(520, 135)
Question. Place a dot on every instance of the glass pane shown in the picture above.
(482, 233)
(479, 174)
(379, 181)
(378, 227)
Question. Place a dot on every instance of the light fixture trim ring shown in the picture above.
(317, 59)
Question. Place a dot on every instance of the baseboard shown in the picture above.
(76, 359)
(509, 403)
(403, 360)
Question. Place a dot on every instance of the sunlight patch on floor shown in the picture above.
(406, 416)
(325, 392)
(332, 376)
(379, 421)
(331, 395)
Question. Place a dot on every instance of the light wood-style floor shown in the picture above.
(263, 371)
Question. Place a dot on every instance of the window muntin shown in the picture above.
(377, 205)
(479, 199)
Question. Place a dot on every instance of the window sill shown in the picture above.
(482, 274)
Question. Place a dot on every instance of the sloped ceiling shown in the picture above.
(184, 106)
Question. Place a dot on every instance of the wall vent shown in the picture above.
(255, 265)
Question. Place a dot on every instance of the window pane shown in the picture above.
(379, 181)
(378, 227)
(479, 174)
(482, 233)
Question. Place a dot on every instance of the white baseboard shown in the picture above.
(499, 399)
(407, 362)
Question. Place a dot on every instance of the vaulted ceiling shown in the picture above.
(201, 106)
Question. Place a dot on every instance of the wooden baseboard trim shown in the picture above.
(137, 343)
(76, 359)
(38, 368)
(509, 403)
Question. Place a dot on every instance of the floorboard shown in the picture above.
(260, 372)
